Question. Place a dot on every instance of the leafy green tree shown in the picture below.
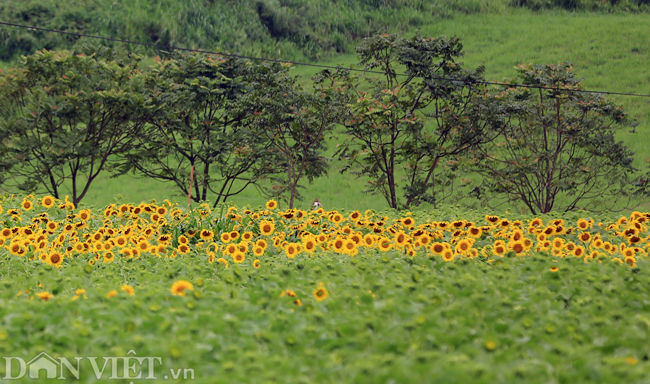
(70, 114)
(11, 91)
(295, 122)
(406, 125)
(203, 126)
(558, 149)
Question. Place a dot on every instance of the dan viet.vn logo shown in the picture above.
(129, 367)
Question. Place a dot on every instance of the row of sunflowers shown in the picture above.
(51, 231)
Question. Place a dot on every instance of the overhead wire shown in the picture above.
(171, 48)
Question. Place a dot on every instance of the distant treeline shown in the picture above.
(290, 29)
(214, 126)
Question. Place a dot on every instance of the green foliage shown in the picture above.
(71, 113)
(387, 126)
(204, 126)
(295, 122)
(500, 49)
(388, 316)
(556, 142)
(72, 16)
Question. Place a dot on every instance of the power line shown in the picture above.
(309, 64)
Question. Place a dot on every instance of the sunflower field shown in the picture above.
(269, 295)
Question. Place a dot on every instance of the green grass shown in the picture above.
(609, 51)
(295, 29)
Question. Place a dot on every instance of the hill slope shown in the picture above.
(289, 29)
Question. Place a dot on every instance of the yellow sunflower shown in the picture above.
(474, 232)
(350, 247)
(84, 214)
(517, 246)
(180, 287)
(408, 221)
(607, 246)
(206, 235)
(578, 251)
(223, 261)
(438, 248)
(448, 255)
(492, 219)
(628, 252)
(336, 218)
(143, 246)
(368, 240)
(267, 227)
(384, 244)
(463, 246)
(231, 249)
(128, 289)
(355, 216)
(338, 244)
(310, 245)
(291, 251)
(27, 205)
(321, 293)
(583, 224)
(238, 257)
(55, 259)
(45, 296)
(109, 257)
(47, 202)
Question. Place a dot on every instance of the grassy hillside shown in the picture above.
(289, 29)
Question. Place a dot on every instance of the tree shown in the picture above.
(295, 122)
(558, 148)
(70, 114)
(406, 125)
(203, 126)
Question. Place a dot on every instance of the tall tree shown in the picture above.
(404, 125)
(295, 121)
(203, 126)
(70, 115)
(558, 149)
